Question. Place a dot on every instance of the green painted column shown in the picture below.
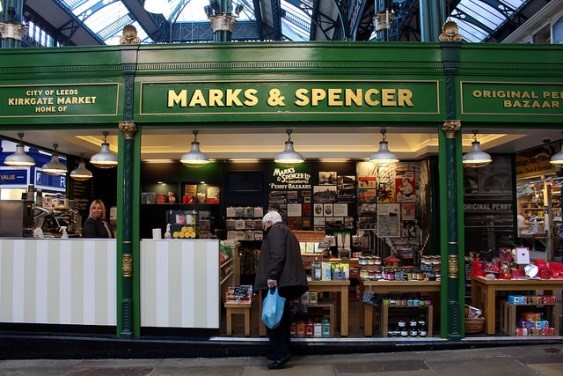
(11, 28)
(128, 249)
(451, 216)
(432, 16)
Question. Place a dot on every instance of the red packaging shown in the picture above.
(309, 329)
(548, 299)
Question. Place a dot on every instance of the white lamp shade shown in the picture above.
(54, 166)
(19, 158)
(81, 173)
(289, 157)
(104, 159)
(383, 155)
(194, 158)
(476, 157)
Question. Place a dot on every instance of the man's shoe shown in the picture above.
(279, 362)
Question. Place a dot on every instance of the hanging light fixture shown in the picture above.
(81, 173)
(289, 157)
(383, 155)
(54, 166)
(104, 159)
(156, 6)
(476, 157)
(194, 158)
(557, 159)
(19, 158)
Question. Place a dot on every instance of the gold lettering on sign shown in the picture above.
(372, 97)
(51, 100)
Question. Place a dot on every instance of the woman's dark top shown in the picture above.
(94, 228)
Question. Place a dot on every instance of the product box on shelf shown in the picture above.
(517, 299)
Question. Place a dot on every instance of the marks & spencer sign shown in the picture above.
(288, 98)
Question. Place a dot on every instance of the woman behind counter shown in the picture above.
(95, 226)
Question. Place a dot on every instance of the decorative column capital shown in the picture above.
(10, 30)
(129, 35)
(450, 32)
(128, 128)
(451, 128)
(222, 22)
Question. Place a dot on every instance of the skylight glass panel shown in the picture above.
(106, 16)
(483, 13)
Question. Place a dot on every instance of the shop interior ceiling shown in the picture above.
(264, 143)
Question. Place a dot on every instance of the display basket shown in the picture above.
(474, 325)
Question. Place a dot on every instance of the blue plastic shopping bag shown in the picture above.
(272, 309)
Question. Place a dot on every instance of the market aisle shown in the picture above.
(515, 361)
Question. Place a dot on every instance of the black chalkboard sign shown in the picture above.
(242, 291)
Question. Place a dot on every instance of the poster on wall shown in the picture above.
(407, 211)
(385, 193)
(294, 210)
(389, 220)
(405, 186)
(327, 177)
(324, 193)
(346, 188)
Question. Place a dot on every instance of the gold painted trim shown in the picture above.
(453, 269)
(127, 265)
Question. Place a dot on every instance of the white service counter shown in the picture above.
(180, 283)
(58, 281)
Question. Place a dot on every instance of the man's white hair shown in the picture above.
(272, 216)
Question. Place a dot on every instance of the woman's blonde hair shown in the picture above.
(95, 202)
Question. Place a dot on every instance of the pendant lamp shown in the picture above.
(476, 157)
(156, 6)
(289, 157)
(104, 159)
(54, 166)
(383, 155)
(19, 158)
(194, 158)
(81, 173)
(557, 159)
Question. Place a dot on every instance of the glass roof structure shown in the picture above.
(477, 19)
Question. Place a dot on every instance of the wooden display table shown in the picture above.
(509, 317)
(327, 286)
(483, 293)
(387, 287)
(340, 287)
(242, 308)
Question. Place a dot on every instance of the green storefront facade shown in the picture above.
(447, 86)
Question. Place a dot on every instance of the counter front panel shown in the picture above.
(180, 283)
(58, 281)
